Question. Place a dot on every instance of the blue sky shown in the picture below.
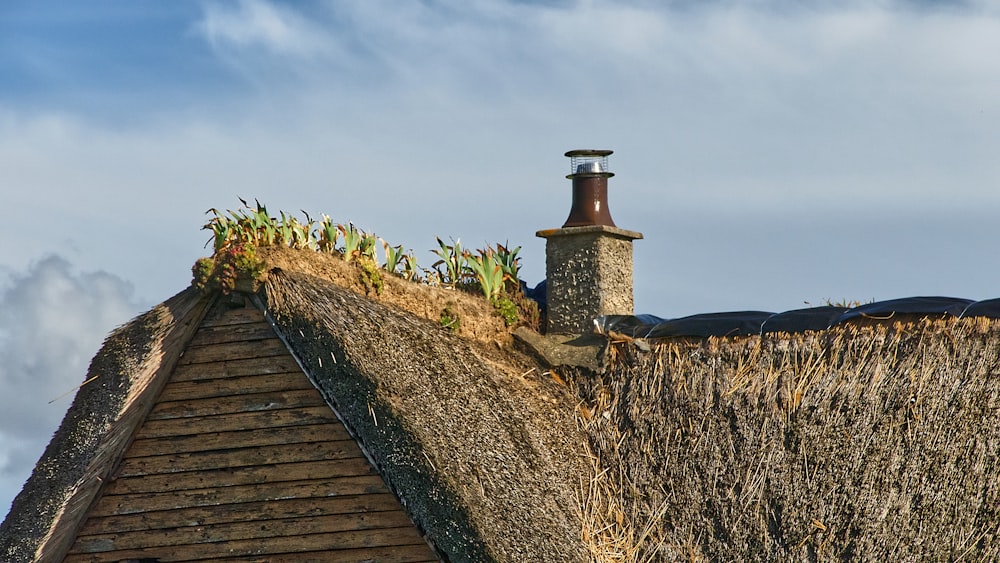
(772, 152)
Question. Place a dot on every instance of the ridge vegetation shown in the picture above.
(236, 263)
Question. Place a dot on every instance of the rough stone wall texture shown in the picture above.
(589, 273)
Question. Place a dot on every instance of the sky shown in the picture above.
(774, 153)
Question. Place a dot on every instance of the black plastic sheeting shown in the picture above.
(537, 294)
(800, 320)
(744, 323)
(910, 306)
(710, 324)
(988, 308)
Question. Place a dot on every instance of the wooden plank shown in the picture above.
(365, 481)
(279, 418)
(243, 512)
(395, 554)
(233, 350)
(232, 333)
(242, 457)
(243, 403)
(234, 317)
(276, 474)
(238, 439)
(235, 367)
(255, 547)
(252, 530)
(221, 387)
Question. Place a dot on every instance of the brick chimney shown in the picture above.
(588, 261)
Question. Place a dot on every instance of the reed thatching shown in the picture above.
(862, 442)
(487, 461)
(872, 440)
(123, 378)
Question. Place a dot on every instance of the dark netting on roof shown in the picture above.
(801, 320)
(741, 323)
(988, 308)
(537, 294)
(737, 323)
(910, 305)
(636, 326)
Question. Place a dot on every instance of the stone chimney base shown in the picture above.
(589, 274)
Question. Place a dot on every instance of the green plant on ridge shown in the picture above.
(258, 227)
(510, 263)
(454, 260)
(201, 273)
(296, 234)
(367, 247)
(496, 271)
(357, 243)
(237, 261)
(410, 270)
(488, 272)
(507, 309)
(393, 256)
(223, 229)
(370, 276)
(450, 319)
(236, 234)
(329, 233)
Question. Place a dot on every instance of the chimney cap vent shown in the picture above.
(589, 152)
(589, 162)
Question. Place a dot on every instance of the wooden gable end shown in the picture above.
(240, 458)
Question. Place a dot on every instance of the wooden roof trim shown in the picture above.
(186, 313)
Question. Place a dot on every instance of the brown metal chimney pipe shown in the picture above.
(590, 188)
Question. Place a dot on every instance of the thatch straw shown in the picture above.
(486, 461)
(872, 442)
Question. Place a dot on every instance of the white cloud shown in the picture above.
(52, 321)
(583, 52)
(257, 24)
(449, 118)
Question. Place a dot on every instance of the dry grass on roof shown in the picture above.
(478, 320)
(876, 442)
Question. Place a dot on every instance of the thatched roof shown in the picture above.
(869, 440)
(489, 465)
(875, 442)
(480, 447)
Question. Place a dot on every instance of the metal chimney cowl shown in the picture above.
(590, 188)
(588, 261)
